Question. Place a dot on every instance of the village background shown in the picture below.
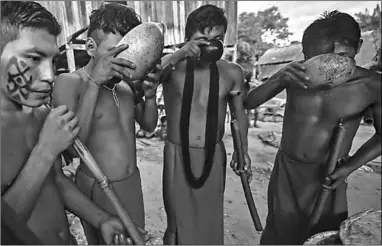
(263, 37)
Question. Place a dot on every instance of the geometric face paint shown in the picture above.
(18, 84)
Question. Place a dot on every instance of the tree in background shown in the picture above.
(251, 30)
(367, 21)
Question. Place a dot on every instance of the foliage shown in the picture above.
(367, 21)
(251, 30)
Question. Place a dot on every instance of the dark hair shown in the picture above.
(206, 16)
(112, 18)
(16, 15)
(332, 26)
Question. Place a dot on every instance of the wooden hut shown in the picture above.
(74, 15)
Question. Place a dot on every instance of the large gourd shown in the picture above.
(146, 43)
(329, 70)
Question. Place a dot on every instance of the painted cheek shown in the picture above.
(19, 80)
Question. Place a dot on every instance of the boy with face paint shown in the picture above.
(311, 116)
(107, 111)
(196, 93)
(32, 138)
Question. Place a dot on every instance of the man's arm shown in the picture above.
(372, 148)
(75, 201)
(172, 59)
(292, 74)
(67, 90)
(57, 133)
(238, 105)
(263, 93)
(146, 114)
(24, 192)
(188, 50)
(146, 111)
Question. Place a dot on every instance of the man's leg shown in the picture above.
(86, 185)
(168, 194)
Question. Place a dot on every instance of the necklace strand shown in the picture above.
(110, 89)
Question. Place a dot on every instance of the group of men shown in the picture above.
(97, 105)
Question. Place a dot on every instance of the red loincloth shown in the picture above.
(292, 191)
(129, 191)
(195, 216)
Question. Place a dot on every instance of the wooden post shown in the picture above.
(234, 55)
(70, 58)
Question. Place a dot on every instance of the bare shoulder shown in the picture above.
(369, 78)
(231, 66)
(233, 70)
(69, 79)
(68, 85)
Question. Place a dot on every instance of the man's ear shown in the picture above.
(359, 45)
(91, 46)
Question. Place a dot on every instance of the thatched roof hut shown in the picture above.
(276, 58)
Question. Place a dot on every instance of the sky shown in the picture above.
(302, 13)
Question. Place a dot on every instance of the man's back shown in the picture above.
(311, 115)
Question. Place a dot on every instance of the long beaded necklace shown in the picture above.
(110, 89)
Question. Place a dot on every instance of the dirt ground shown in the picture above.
(364, 189)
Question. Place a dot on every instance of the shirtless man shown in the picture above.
(106, 116)
(310, 118)
(193, 194)
(32, 138)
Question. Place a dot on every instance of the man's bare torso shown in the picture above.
(19, 135)
(173, 90)
(111, 138)
(310, 116)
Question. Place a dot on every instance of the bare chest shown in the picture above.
(174, 88)
(114, 108)
(19, 135)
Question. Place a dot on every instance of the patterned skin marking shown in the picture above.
(18, 84)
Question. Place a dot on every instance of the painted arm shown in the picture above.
(67, 90)
(24, 192)
(75, 201)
